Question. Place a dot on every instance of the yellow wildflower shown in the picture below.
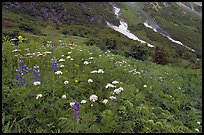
(76, 65)
(76, 81)
(20, 38)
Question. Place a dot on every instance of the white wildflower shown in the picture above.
(112, 98)
(197, 130)
(86, 62)
(68, 57)
(100, 71)
(64, 96)
(94, 71)
(39, 54)
(61, 66)
(105, 101)
(115, 82)
(90, 80)
(66, 82)
(117, 91)
(29, 54)
(71, 59)
(61, 60)
(48, 52)
(145, 86)
(37, 83)
(91, 58)
(93, 98)
(16, 50)
(99, 55)
(69, 52)
(62, 55)
(58, 72)
(198, 123)
(109, 86)
(38, 96)
(91, 104)
(71, 104)
(137, 72)
(83, 101)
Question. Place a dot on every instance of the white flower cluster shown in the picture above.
(86, 62)
(64, 96)
(16, 50)
(71, 104)
(109, 85)
(61, 66)
(133, 71)
(58, 72)
(93, 98)
(115, 82)
(112, 98)
(39, 54)
(83, 101)
(66, 82)
(99, 71)
(36, 83)
(120, 63)
(90, 80)
(118, 90)
(105, 101)
(61, 60)
(38, 96)
(48, 52)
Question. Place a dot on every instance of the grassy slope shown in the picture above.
(173, 24)
(161, 101)
(178, 24)
(171, 102)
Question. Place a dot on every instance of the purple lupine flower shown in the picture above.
(54, 65)
(21, 73)
(36, 73)
(76, 112)
(145, 72)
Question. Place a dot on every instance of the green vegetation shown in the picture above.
(176, 22)
(155, 98)
(131, 14)
(160, 88)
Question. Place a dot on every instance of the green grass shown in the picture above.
(171, 102)
(131, 14)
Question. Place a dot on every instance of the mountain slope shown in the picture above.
(168, 16)
(68, 13)
(79, 77)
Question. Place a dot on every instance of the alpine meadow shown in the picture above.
(101, 67)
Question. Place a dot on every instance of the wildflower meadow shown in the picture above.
(54, 87)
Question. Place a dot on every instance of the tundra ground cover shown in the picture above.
(94, 91)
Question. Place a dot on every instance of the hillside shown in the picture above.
(78, 75)
(169, 16)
